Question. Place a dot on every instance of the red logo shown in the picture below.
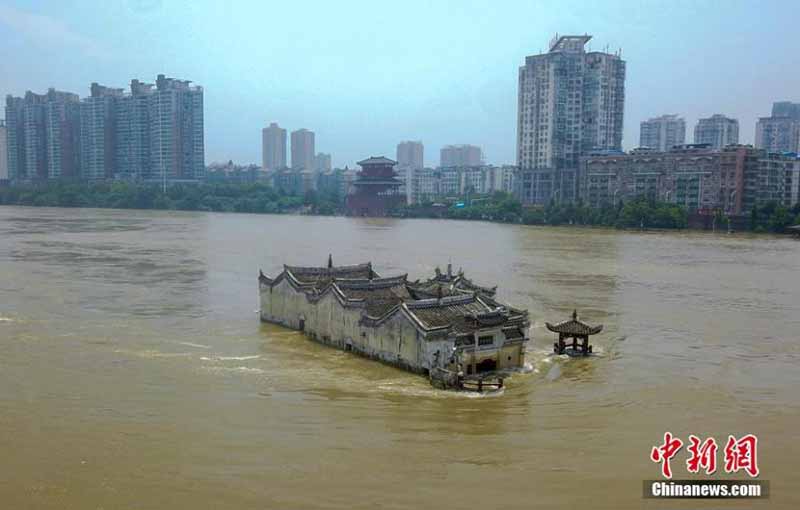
(740, 454)
(703, 455)
(665, 452)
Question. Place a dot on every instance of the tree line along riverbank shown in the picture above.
(261, 198)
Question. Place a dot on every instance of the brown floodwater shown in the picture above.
(135, 374)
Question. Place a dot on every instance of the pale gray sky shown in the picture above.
(365, 75)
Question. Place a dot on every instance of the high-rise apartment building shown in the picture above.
(98, 132)
(460, 155)
(781, 131)
(133, 133)
(43, 135)
(3, 152)
(322, 162)
(717, 131)
(273, 147)
(303, 150)
(662, 133)
(786, 109)
(177, 138)
(570, 101)
(155, 132)
(410, 155)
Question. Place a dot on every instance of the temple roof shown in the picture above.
(464, 313)
(380, 295)
(320, 277)
(445, 304)
(450, 283)
(574, 327)
(377, 160)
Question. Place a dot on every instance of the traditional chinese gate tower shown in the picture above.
(578, 331)
(377, 189)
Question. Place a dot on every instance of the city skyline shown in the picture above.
(436, 98)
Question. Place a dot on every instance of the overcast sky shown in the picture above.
(366, 75)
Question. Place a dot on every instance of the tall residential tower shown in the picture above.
(460, 156)
(3, 152)
(410, 155)
(662, 133)
(177, 138)
(273, 147)
(303, 150)
(717, 131)
(43, 135)
(781, 131)
(570, 102)
(98, 132)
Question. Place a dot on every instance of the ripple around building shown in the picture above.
(445, 326)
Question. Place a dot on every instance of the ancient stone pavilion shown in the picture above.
(575, 330)
(376, 188)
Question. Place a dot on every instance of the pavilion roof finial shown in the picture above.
(575, 314)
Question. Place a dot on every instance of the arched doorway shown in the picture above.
(487, 365)
(301, 323)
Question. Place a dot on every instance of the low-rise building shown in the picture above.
(232, 173)
(541, 186)
(733, 180)
(455, 182)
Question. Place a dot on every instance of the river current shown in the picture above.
(135, 374)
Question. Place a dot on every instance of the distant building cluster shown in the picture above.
(570, 118)
(569, 143)
(153, 132)
(699, 177)
(230, 172)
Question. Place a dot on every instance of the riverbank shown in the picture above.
(640, 213)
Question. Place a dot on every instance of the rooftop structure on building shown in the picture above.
(446, 327)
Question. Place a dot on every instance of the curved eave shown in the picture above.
(574, 329)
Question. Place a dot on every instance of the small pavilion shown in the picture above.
(578, 331)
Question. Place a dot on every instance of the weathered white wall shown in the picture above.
(397, 340)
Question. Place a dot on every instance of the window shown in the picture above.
(486, 340)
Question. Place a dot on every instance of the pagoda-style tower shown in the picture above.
(376, 189)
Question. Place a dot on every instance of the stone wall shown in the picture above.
(396, 340)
